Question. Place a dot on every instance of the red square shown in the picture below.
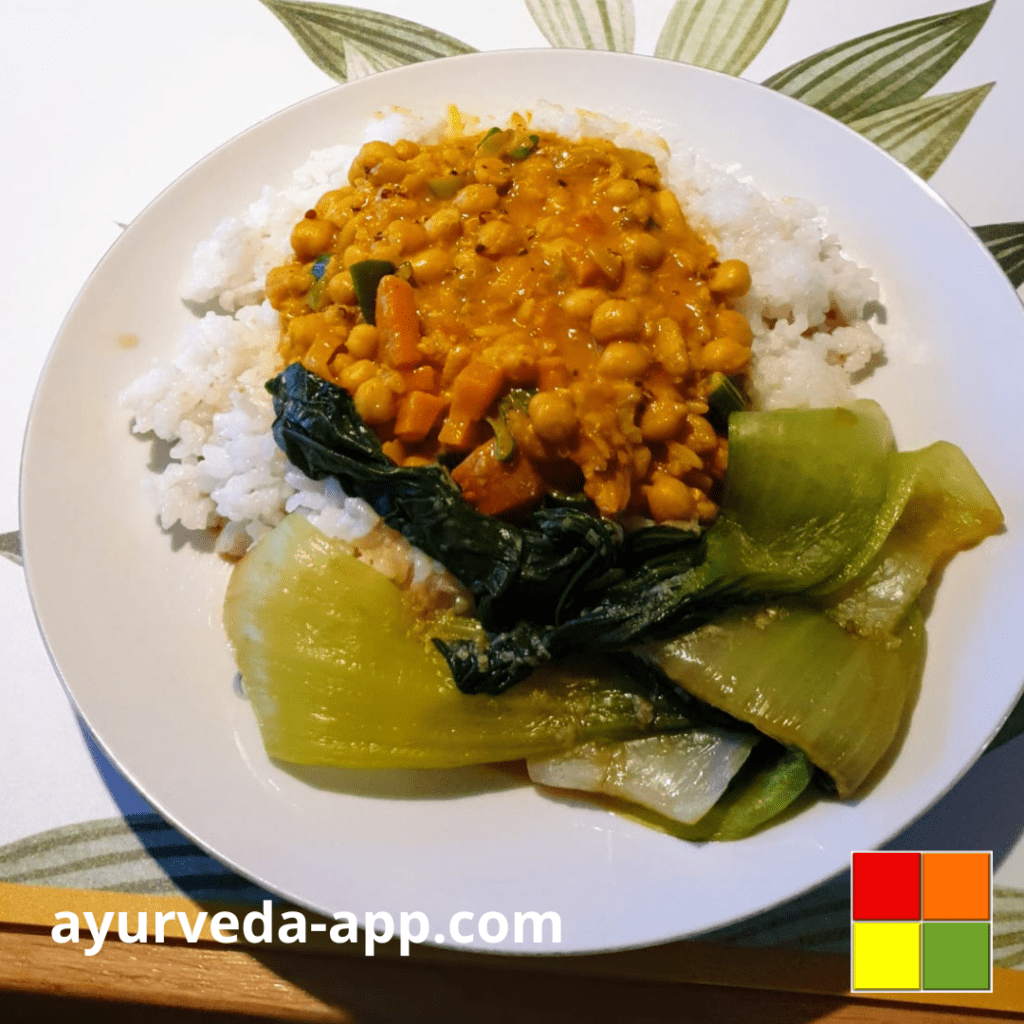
(887, 886)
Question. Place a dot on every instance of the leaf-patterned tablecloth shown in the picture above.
(110, 108)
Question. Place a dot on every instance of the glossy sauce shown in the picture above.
(560, 320)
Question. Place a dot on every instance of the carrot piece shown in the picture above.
(417, 415)
(423, 378)
(473, 390)
(457, 434)
(495, 487)
(398, 326)
(477, 385)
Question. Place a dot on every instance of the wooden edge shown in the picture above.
(702, 963)
(41, 980)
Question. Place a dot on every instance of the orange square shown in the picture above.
(957, 886)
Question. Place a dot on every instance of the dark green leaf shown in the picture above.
(348, 42)
(921, 133)
(723, 35)
(366, 276)
(585, 24)
(882, 69)
(1006, 243)
(512, 571)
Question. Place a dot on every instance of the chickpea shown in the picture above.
(638, 213)
(340, 290)
(615, 318)
(661, 420)
(667, 211)
(670, 346)
(730, 279)
(474, 199)
(724, 354)
(669, 498)
(347, 235)
(407, 235)
(547, 228)
(581, 302)
(389, 171)
(303, 330)
(707, 510)
(498, 238)
(430, 265)
(444, 225)
(624, 359)
(622, 191)
(339, 361)
(369, 156)
(384, 249)
(701, 437)
(681, 460)
(354, 254)
(731, 324)
(643, 250)
(492, 170)
(648, 176)
(374, 401)
(336, 206)
(553, 416)
(362, 341)
(405, 149)
(352, 377)
(287, 281)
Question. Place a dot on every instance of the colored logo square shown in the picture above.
(957, 886)
(887, 886)
(886, 956)
(957, 956)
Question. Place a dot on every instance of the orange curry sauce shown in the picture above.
(554, 321)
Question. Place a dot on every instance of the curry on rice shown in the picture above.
(547, 319)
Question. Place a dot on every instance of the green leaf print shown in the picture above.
(1006, 243)
(882, 69)
(722, 35)
(585, 24)
(348, 42)
(921, 133)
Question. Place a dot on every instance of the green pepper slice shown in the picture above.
(366, 276)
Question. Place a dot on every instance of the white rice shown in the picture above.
(210, 403)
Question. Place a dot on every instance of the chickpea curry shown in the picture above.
(534, 311)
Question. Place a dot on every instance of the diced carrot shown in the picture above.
(552, 373)
(423, 378)
(495, 487)
(398, 326)
(457, 434)
(473, 390)
(417, 415)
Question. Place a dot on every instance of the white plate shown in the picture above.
(132, 619)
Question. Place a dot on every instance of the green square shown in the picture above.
(957, 956)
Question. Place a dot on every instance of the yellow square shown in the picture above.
(886, 955)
